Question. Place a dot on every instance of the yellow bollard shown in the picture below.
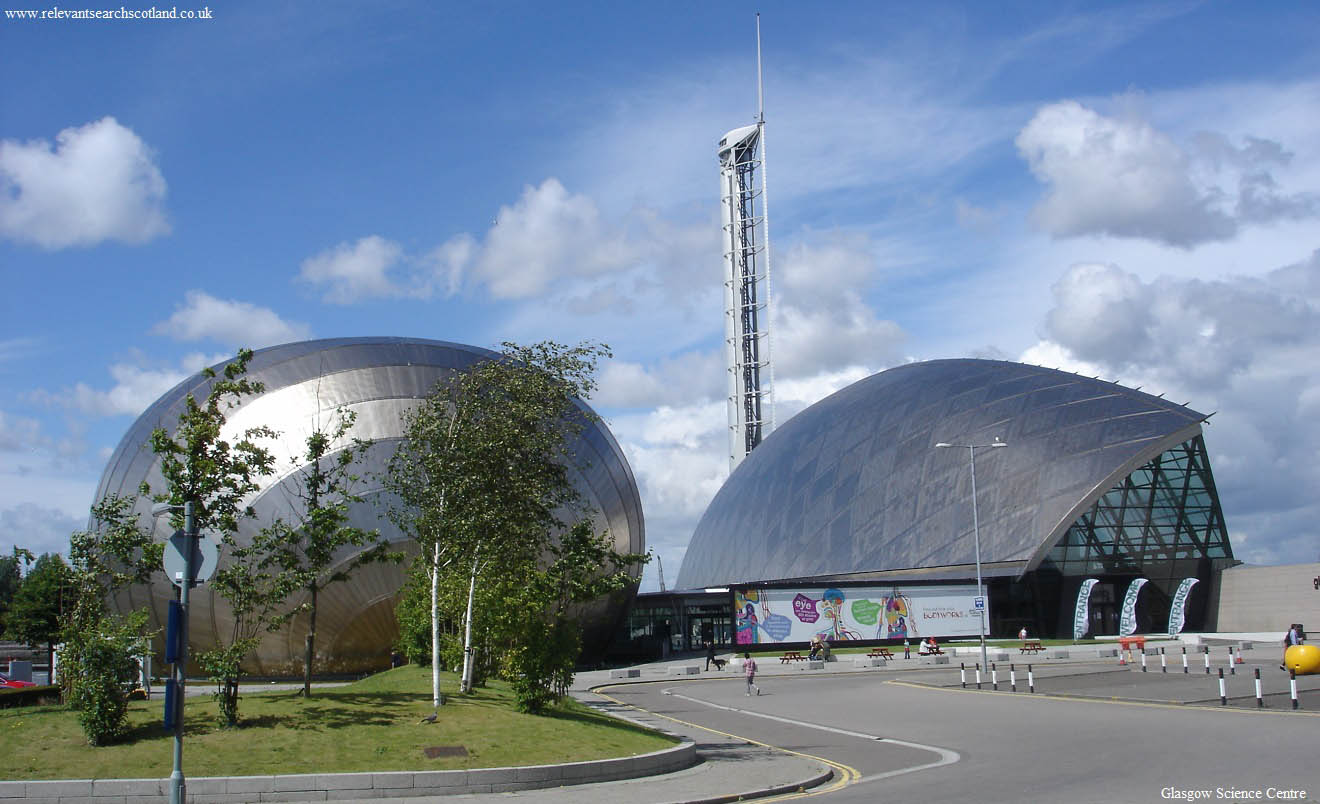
(1303, 659)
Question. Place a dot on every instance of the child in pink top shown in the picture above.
(749, 666)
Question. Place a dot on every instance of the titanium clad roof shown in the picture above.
(854, 483)
(379, 379)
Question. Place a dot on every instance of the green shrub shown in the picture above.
(99, 669)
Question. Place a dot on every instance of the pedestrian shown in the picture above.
(749, 667)
(710, 653)
(1023, 633)
(1293, 637)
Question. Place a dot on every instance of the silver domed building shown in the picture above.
(1097, 481)
(380, 379)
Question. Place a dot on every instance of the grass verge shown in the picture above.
(370, 725)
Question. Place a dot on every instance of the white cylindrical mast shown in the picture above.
(746, 280)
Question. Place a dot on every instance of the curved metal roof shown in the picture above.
(379, 379)
(854, 484)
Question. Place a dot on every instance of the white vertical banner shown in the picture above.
(1178, 611)
(1082, 614)
(1127, 620)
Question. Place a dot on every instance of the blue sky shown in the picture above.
(1126, 190)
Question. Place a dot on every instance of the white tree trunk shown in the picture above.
(467, 633)
(435, 628)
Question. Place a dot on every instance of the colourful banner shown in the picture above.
(843, 614)
(1082, 614)
(1178, 610)
(1127, 619)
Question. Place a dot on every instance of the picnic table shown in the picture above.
(880, 653)
(1031, 646)
(791, 656)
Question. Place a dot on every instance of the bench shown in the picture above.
(1031, 647)
(791, 656)
(880, 653)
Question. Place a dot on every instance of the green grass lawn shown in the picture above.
(370, 725)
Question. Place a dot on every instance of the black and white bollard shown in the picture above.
(1223, 696)
(1207, 660)
(1012, 677)
(978, 675)
(1184, 658)
(1143, 658)
(1260, 699)
(1164, 664)
(1292, 686)
(994, 676)
(1232, 670)
(962, 670)
(1031, 680)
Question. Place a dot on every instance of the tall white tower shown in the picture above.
(746, 280)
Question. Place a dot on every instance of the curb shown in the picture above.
(340, 786)
(793, 787)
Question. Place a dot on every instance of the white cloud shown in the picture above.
(546, 235)
(821, 322)
(231, 322)
(39, 529)
(671, 381)
(1242, 348)
(1122, 177)
(97, 182)
(136, 386)
(18, 433)
(356, 272)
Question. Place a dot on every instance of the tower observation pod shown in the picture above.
(746, 283)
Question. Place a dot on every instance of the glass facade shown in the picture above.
(1162, 523)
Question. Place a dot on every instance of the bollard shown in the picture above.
(1184, 658)
(1143, 660)
(962, 670)
(1260, 700)
(1012, 677)
(1223, 696)
(978, 675)
(1232, 670)
(1031, 680)
(1292, 685)
(1164, 665)
(994, 676)
(1207, 660)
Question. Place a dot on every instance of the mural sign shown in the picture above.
(1178, 611)
(1127, 618)
(840, 615)
(1082, 614)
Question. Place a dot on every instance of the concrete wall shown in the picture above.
(1269, 598)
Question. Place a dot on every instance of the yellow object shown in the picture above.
(1304, 659)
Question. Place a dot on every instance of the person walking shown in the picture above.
(1293, 637)
(749, 667)
(710, 653)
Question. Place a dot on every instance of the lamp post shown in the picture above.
(178, 788)
(976, 530)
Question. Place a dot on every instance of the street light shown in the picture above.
(178, 788)
(976, 530)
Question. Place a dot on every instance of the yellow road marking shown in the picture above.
(845, 775)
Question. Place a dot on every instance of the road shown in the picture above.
(910, 737)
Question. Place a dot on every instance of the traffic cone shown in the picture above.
(1122, 660)
(1237, 657)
